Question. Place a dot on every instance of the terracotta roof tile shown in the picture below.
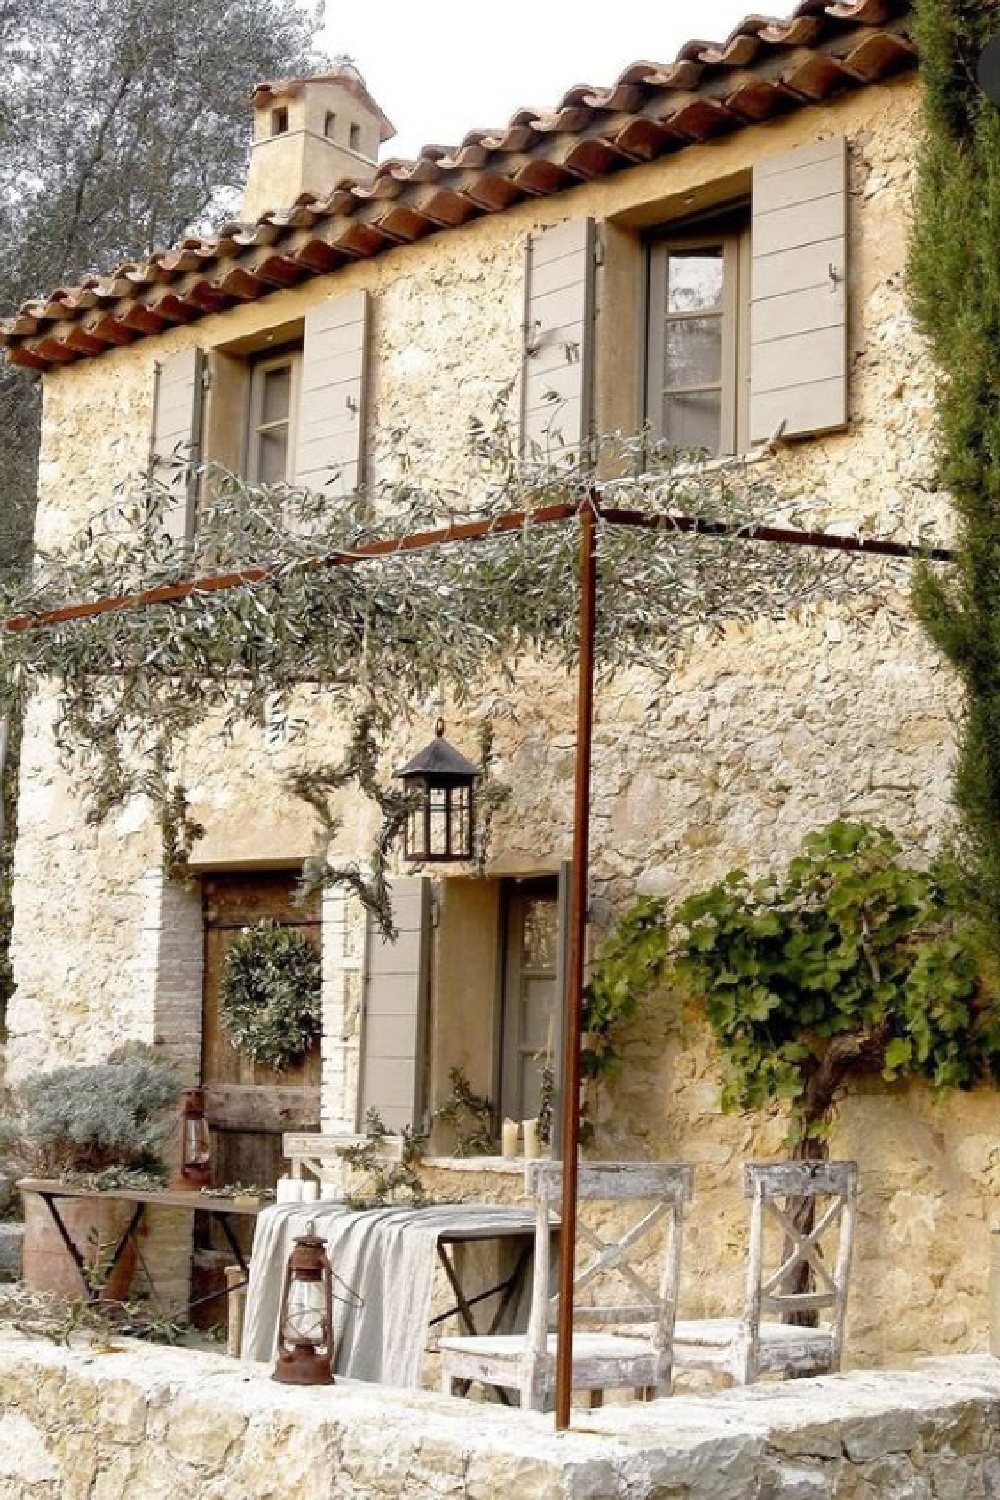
(764, 68)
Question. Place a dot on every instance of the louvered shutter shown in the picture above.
(397, 977)
(798, 314)
(175, 447)
(331, 422)
(557, 374)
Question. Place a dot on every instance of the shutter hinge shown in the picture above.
(598, 250)
(206, 377)
(435, 905)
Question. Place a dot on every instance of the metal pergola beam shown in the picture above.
(588, 511)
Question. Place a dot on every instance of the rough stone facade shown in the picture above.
(144, 1423)
(762, 734)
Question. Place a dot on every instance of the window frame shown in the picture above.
(290, 359)
(731, 232)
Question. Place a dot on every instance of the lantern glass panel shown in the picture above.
(305, 1313)
(461, 837)
(439, 799)
(197, 1147)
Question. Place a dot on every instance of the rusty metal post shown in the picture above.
(573, 998)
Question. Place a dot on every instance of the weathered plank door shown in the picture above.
(251, 1106)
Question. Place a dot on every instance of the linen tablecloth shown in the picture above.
(386, 1258)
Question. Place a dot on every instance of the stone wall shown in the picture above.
(143, 1423)
(761, 734)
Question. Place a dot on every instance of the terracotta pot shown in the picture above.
(95, 1226)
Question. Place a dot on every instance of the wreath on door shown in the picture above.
(270, 994)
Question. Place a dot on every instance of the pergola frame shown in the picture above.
(588, 512)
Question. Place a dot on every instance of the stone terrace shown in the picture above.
(149, 1423)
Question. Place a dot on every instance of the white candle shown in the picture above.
(509, 1137)
(530, 1128)
(309, 1191)
(289, 1190)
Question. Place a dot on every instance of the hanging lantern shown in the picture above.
(441, 826)
(196, 1142)
(305, 1319)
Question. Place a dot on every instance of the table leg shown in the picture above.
(91, 1294)
(233, 1241)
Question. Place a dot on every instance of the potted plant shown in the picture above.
(102, 1126)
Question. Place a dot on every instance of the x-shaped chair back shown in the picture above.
(663, 1189)
(811, 1205)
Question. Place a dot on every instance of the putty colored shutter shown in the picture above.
(798, 314)
(395, 1008)
(331, 424)
(559, 1038)
(558, 340)
(176, 437)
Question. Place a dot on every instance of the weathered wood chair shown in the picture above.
(601, 1360)
(760, 1343)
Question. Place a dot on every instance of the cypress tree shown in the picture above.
(955, 294)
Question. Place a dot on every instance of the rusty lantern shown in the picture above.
(305, 1319)
(196, 1142)
(440, 828)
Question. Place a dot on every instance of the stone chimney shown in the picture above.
(309, 134)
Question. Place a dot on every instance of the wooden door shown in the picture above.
(251, 1106)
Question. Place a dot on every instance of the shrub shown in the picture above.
(106, 1118)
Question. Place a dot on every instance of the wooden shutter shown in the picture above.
(332, 404)
(798, 314)
(562, 967)
(557, 374)
(176, 436)
(395, 1009)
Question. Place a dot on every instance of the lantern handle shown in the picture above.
(439, 728)
(353, 1299)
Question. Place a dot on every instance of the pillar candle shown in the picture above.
(509, 1137)
(289, 1190)
(309, 1191)
(530, 1128)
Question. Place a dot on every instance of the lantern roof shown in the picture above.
(440, 759)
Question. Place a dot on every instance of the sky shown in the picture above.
(441, 67)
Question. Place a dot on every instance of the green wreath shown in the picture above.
(270, 994)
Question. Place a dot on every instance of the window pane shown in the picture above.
(693, 353)
(694, 420)
(272, 456)
(694, 280)
(541, 933)
(276, 395)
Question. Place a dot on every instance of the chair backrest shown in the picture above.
(812, 1206)
(663, 1189)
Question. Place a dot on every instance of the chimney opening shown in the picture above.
(279, 121)
(355, 137)
(330, 125)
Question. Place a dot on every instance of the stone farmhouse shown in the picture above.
(714, 246)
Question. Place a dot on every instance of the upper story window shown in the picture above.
(279, 121)
(330, 125)
(697, 341)
(274, 384)
(355, 137)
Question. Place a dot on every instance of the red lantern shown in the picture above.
(305, 1319)
(196, 1142)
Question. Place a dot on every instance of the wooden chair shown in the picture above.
(601, 1360)
(759, 1343)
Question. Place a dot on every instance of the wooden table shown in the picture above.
(224, 1210)
(368, 1251)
